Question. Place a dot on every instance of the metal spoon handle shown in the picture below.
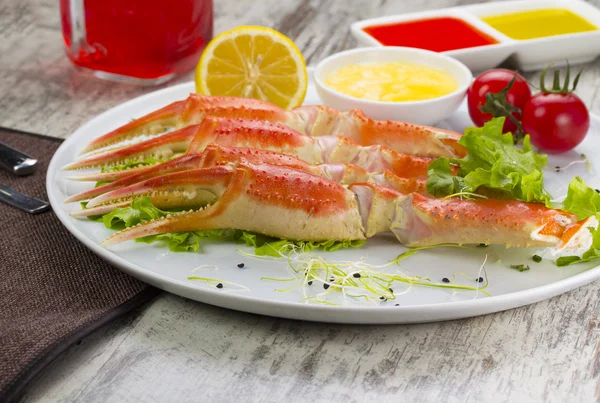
(21, 201)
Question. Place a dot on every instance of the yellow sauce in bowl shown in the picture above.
(392, 81)
(539, 23)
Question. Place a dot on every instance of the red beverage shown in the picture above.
(143, 41)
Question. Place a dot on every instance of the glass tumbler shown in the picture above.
(143, 42)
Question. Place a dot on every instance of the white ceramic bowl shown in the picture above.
(426, 112)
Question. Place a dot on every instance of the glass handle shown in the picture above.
(78, 33)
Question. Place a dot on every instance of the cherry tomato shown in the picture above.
(494, 81)
(556, 122)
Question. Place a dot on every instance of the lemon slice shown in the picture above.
(253, 62)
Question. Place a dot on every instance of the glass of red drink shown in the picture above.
(136, 41)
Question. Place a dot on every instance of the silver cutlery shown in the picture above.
(16, 162)
(21, 201)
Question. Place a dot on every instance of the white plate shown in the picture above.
(154, 264)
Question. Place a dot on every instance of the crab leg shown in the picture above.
(265, 136)
(403, 137)
(185, 113)
(303, 206)
(293, 204)
(311, 120)
(110, 193)
(421, 221)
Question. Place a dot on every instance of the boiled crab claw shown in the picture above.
(214, 155)
(311, 120)
(293, 204)
(259, 135)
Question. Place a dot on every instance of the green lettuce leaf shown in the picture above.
(139, 211)
(492, 162)
(581, 200)
(592, 253)
(191, 241)
(441, 181)
(142, 210)
(584, 202)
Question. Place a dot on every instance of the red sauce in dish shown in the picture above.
(437, 34)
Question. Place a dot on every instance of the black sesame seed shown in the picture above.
(331, 279)
(310, 282)
(397, 305)
(325, 286)
(240, 265)
(356, 275)
(383, 298)
(597, 190)
(220, 285)
(391, 290)
(445, 280)
(557, 167)
(480, 279)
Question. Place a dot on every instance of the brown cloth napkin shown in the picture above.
(53, 291)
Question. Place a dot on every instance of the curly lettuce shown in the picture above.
(492, 162)
(584, 202)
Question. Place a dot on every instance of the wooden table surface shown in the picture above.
(179, 350)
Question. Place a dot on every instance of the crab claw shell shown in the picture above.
(153, 123)
(402, 185)
(402, 137)
(183, 163)
(375, 204)
(277, 201)
(99, 211)
(162, 147)
(180, 190)
(421, 221)
(189, 112)
(226, 132)
(213, 155)
(110, 176)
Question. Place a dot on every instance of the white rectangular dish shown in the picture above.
(526, 55)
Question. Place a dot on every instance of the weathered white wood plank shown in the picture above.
(185, 351)
(180, 350)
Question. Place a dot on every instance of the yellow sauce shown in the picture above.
(392, 82)
(539, 23)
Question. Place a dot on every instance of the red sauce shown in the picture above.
(437, 34)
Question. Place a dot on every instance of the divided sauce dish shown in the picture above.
(525, 54)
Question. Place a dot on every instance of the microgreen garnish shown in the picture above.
(359, 279)
(520, 267)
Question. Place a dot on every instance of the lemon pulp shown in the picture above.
(392, 81)
(253, 62)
